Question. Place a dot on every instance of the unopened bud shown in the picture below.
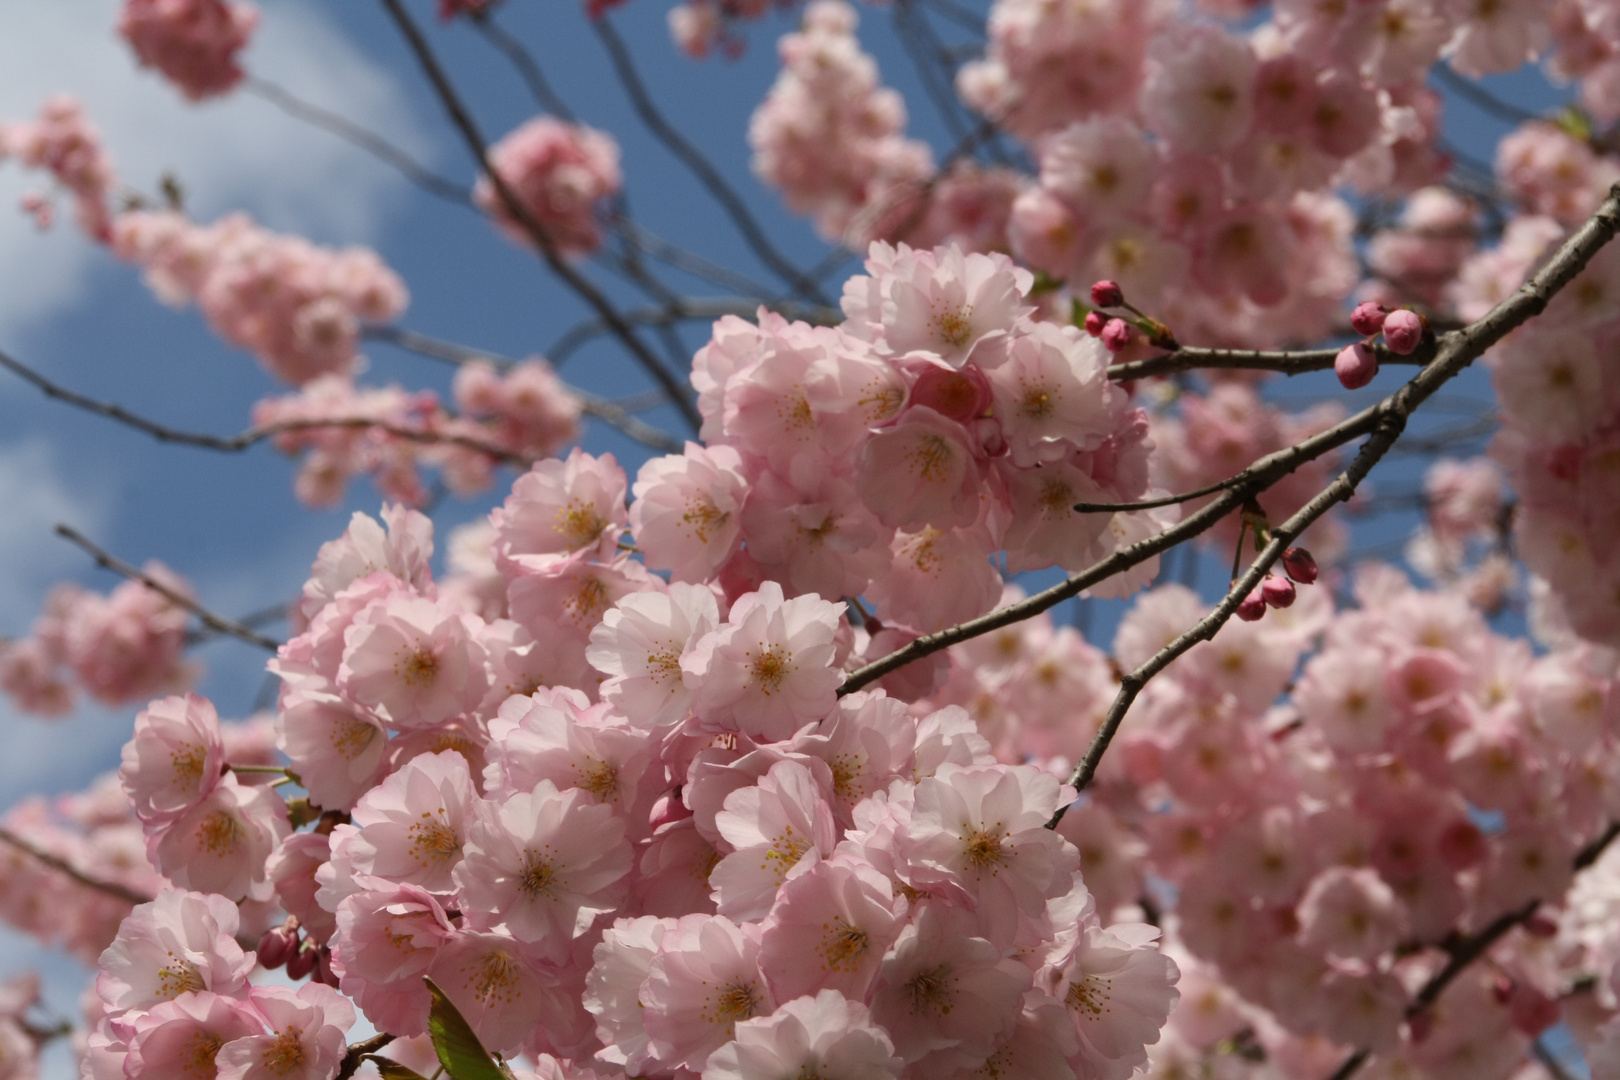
(323, 968)
(1116, 335)
(1539, 926)
(277, 946)
(1298, 564)
(1403, 332)
(302, 962)
(1355, 366)
(1277, 591)
(1252, 608)
(1095, 321)
(1107, 294)
(1368, 318)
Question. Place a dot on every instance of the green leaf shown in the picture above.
(393, 1070)
(460, 1052)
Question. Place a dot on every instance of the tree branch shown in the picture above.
(1465, 951)
(253, 436)
(692, 157)
(1288, 362)
(111, 888)
(679, 396)
(1384, 422)
(528, 70)
(689, 308)
(604, 409)
(352, 133)
(217, 623)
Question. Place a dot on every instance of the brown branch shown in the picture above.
(356, 1055)
(1166, 500)
(476, 144)
(701, 167)
(111, 888)
(1465, 951)
(253, 436)
(355, 135)
(609, 412)
(1287, 362)
(1385, 422)
(214, 622)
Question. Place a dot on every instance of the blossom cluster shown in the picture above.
(63, 143)
(120, 648)
(339, 430)
(560, 174)
(1422, 775)
(193, 43)
(296, 306)
(630, 824)
(830, 137)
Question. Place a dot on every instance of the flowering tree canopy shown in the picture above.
(756, 747)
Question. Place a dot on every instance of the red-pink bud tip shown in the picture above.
(1277, 591)
(1116, 335)
(277, 946)
(1107, 294)
(1403, 332)
(1355, 366)
(302, 962)
(1095, 321)
(1368, 318)
(1299, 565)
(1253, 607)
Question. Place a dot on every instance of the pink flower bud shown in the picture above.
(1094, 323)
(1368, 318)
(1355, 366)
(1403, 332)
(1107, 294)
(1299, 565)
(323, 968)
(1539, 926)
(1421, 1026)
(1462, 845)
(1277, 591)
(302, 962)
(1532, 1011)
(278, 945)
(1253, 607)
(1116, 335)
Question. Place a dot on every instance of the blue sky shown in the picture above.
(230, 523)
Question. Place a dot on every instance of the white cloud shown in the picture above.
(238, 152)
(34, 495)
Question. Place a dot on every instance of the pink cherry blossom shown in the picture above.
(413, 662)
(183, 1037)
(542, 865)
(192, 42)
(306, 1039)
(175, 757)
(558, 173)
(768, 670)
(704, 981)
(180, 942)
(809, 1034)
(221, 842)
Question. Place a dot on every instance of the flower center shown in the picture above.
(539, 875)
(419, 669)
(736, 1002)
(220, 833)
(197, 1059)
(930, 991)
(770, 666)
(433, 840)
(285, 1053)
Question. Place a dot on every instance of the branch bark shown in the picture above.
(679, 396)
(61, 866)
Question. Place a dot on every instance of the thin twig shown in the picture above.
(1151, 504)
(527, 68)
(111, 888)
(693, 309)
(643, 241)
(1384, 422)
(479, 148)
(208, 618)
(1288, 362)
(1464, 952)
(1480, 97)
(701, 167)
(253, 436)
(610, 412)
(352, 133)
